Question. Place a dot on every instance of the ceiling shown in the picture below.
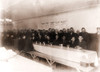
(21, 9)
(6, 3)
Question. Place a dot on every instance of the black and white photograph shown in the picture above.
(49, 35)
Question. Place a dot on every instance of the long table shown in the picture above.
(69, 56)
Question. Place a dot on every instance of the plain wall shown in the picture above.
(88, 18)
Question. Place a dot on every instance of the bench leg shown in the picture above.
(33, 56)
(37, 58)
(50, 62)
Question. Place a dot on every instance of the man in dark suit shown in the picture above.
(39, 37)
(47, 39)
(52, 35)
(21, 43)
(73, 42)
(60, 34)
(7, 39)
(71, 33)
(56, 41)
(28, 45)
(64, 41)
(82, 43)
(12, 40)
(84, 34)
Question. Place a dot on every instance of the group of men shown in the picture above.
(23, 39)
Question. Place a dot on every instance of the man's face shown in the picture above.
(83, 30)
(80, 38)
(73, 39)
(63, 37)
(7, 35)
(56, 36)
(24, 37)
(48, 37)
(12, 36)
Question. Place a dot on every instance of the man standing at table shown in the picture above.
(73, 42)
(82, 43)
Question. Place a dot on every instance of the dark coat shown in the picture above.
(64, 42)
(82, 44)
(21, 44)
(73, 44)
(28, 45)
(56, 42)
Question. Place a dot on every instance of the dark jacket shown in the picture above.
(82, 44)
(73, 44)
(28, 45)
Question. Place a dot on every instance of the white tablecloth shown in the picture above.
(70, 54)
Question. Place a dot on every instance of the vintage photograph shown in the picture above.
(49, 35)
